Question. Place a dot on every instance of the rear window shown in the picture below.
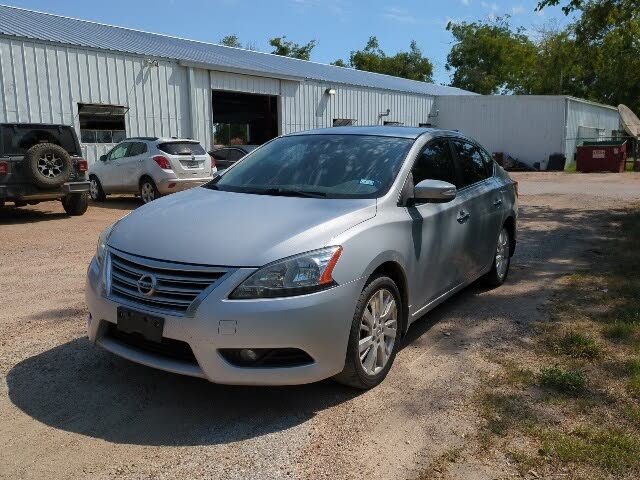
(182, 148)
(17, 139)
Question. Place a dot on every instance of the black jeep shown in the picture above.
(41, 162)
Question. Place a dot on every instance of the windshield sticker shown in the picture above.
(364, 181)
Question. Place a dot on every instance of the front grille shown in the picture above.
(168, 347)
(177, 285)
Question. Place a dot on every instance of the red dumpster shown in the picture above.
(608, 156)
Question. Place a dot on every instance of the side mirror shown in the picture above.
(435, 191)
(103, 158)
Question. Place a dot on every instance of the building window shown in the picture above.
(394, 124)
(102, 123)
(343, 122)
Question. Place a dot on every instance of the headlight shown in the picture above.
(102, 243)
(305, 273)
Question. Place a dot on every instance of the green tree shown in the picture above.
(411, 64)
(489, 57)
(231, 41)
(606, 34)
(287, 48)
(557, 68)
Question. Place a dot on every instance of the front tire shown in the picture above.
(148, 190)
(501, 260)
(76, 204)
(374, 336)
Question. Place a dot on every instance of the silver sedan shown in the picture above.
(308, 259)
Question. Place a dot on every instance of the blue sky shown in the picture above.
(339, 26)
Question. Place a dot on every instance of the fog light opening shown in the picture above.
(249, 355)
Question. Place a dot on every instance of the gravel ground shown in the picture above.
(71, 410)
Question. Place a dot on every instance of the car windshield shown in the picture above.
(331, 166)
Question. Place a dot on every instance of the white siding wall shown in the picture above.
(43, 83)
(529, 128)
(306, 105)
(244, 83)
(591, 117)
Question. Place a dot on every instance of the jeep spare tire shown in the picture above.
(48, 165)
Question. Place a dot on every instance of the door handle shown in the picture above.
(497, 202)
(463, 216)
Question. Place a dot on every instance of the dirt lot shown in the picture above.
(70, 410)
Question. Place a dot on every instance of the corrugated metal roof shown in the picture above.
(54, 28)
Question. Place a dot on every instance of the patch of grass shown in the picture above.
(570, 382)
(524, 462)
(611, 449)
(632, 367)
(578, 345)
(633, 386)
(621, 331)
(504, 411)
(633, 414)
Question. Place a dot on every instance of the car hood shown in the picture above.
(235, 229)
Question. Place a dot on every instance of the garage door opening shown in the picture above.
(244, 118)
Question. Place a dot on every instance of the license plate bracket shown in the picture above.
(132, 321)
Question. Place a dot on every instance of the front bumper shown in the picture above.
(318, 323)
(173, 185)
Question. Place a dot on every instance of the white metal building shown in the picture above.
(529, 128)
(111, 83)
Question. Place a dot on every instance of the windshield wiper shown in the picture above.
(287, 192)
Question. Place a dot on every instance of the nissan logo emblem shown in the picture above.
(147, 285)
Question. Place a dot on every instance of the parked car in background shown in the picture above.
(42, 162)
(150, 167)
(309, 259)
(227, 156)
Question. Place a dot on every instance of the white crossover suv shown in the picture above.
(150, 167)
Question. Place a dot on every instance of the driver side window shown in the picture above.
(119, 152)
(435, 163)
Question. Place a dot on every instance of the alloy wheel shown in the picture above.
(502, 253)
(378, 329)
(93, 189)
(50, 165)
(147, 192)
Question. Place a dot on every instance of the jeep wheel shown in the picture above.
(48, 165)
(75, 204)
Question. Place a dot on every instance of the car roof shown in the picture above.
(161, 139)
(381, 131)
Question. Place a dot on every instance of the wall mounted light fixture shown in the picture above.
(330, 91)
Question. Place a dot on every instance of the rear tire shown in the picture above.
(148, 190)
(96, 191)
(374, 335)
(76, 204)
(501, 260)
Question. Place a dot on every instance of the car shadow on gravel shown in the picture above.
(80, 388)
(18, 215)
(118, 203)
